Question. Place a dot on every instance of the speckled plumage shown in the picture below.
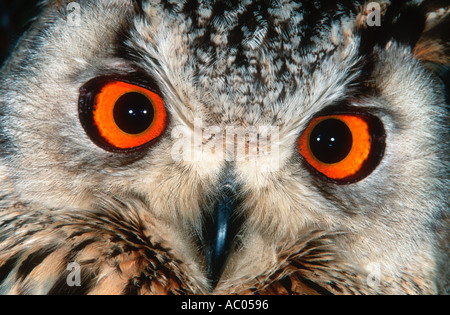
(138, 222)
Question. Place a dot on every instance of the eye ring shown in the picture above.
(343, 148)
(140, 120)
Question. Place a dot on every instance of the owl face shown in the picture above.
(245, 136)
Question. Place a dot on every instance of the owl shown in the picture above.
(227, 147)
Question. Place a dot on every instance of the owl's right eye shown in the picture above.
(120, 116)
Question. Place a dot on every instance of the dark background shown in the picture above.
(15, 18)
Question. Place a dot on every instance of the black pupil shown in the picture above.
(133, 113)
(331, 141)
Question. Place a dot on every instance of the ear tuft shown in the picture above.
(422, 25)
(433, 47)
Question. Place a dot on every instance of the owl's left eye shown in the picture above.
(343, 147)
(120, 116)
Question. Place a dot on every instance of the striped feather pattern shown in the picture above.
(112, 251)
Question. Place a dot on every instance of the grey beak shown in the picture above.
(220, 232)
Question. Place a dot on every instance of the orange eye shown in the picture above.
(343, 147)
(121, 116)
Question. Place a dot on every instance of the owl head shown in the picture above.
(271, 146)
